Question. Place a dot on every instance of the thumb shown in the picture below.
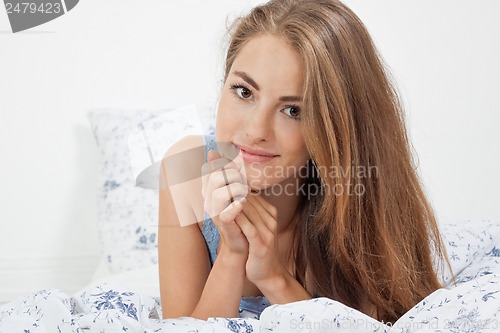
(213, 155)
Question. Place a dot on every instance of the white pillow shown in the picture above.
(149, 141)
(128, 214)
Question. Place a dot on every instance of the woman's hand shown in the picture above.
(258, 222)
(224, 192)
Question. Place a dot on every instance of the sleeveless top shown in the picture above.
(250, 307)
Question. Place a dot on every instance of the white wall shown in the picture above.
(444, 55)
(157, 54)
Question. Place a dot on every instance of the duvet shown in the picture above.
(472, 304)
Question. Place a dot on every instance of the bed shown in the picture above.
(123, 296)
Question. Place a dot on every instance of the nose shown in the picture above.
(259, 124)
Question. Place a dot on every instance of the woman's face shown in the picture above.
(260, 109)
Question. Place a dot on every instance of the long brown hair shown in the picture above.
(370, 234)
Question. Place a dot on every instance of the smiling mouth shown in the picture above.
(256, 156)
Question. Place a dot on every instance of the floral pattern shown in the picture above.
(471, 304)
(128, 214)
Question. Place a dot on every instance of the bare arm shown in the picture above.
(188, 286)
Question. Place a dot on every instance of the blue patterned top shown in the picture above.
(250, 307)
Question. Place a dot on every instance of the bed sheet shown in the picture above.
(471, 305)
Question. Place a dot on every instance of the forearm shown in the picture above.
(222, 292)
(283, 289)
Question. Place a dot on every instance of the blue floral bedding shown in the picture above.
(472, 305)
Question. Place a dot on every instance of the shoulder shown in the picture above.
(188, 152)
(187, 143)
(181, 168)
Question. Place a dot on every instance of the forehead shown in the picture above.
(271, 62)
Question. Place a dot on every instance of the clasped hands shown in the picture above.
(247, 223)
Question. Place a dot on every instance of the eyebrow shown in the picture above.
(254, 84)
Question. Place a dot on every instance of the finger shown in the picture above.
(267, 218)
(230, 212)
(265, 224)
(220, 198)
(227, 182)
(219, 179)
(229, 193)
(211, 166)
(228, 230)
(220, 163)
(213, 155)
(250, 231)
(241, 165)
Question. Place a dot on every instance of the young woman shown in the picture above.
(322, 198)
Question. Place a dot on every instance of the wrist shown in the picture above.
(274, 284)
(283, 288)
(232, 259)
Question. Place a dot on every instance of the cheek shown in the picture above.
(294, 146)
(304, 153)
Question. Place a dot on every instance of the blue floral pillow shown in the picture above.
(128, 214)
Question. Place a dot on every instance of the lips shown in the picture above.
(253, 155)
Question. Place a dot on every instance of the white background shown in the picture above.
(157, 54)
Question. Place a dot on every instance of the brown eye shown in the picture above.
(292, 112)
(243, 92)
